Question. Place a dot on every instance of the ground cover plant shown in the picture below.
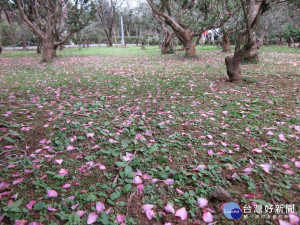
(125, 136)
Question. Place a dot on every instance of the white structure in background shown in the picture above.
(122, 32)
(210, 36)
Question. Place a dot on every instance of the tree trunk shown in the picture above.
(47, 50)
(143, 44)
(24, 44)
(252, 56)
(87, 43)
(39, 48)
(167, 45)
(239, 41)
(261, 40)
(280, 40)
(110, 37)
(190, 50)
(53, 51)
(225, 43)
(233, 62)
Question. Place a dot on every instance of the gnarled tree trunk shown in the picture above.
(252, 56)
(167, 45)
(190, 50)
(233, 62)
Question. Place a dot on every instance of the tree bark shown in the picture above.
(53, 51)
(225, 42)
(47, 50)
(239, 41)
(190, 50)
(24, 44)
(39, 47)
(280, 40)
(167, 45)
(110, 37)
(260, 41)
(233, 62)
(252, 56)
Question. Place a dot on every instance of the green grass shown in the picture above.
(185, 110)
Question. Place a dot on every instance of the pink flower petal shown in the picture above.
(248, 170)
(266, 167)
(139, 173)
(51, 209)
(150, 213)
(30, 204)
(70, 148)
(58, 161)
(287, 166)
(63, 172)
(257, 150)
(17, 181)
(169, 208)
(120, 218)
(294, 219)
(210, 152)
(147, 177)
(20, 222)
(51, 193)
(65, 186)
(169, 181)
(147, 207)
(281, 137)
(202, 202)
(154, 180)
(179, 191)
(80, 213)
(282, 222)
(92, 218)
(139, 136)
(128, 156)
(73, 207)
(289, 172)
(140, 188)
(100, 207)
(137, 180)
(207, 217)
(182, 213)
(297, 164)
(4, 185)
(202, 167)
(90, 135)
(102, 167)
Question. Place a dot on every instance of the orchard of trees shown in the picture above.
(248, 24)
(149, 112)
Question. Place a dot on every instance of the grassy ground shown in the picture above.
(89, 108)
